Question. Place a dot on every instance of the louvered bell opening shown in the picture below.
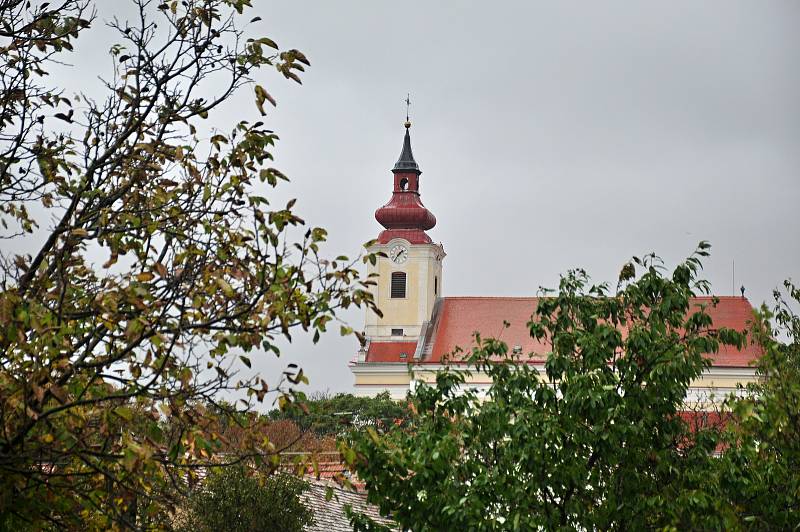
(398, 285)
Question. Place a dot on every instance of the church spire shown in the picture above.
(404, 216)
(406, 161)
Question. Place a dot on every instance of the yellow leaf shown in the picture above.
(145, 276)
(373, 435)
(226, 288)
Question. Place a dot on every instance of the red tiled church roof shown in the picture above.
(390, 351)
(457, 318)
(462, 316)
(736, 313)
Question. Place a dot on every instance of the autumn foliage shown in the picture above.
(159, 268)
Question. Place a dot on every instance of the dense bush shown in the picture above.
(237, 499)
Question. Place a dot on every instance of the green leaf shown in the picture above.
(124, 412)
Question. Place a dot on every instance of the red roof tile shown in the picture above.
(736, 313)
(698, 420)
(460, 317)
(390, 351)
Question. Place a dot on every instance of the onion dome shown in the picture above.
(404, 216)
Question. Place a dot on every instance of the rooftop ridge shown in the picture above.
(739, 298)
(492, 297)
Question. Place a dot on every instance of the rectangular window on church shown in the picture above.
(398, 285)
(397, 332)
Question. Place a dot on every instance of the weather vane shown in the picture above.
(408, 105)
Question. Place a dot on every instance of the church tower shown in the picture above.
(410, 275)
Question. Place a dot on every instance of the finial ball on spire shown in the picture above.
(408, 124)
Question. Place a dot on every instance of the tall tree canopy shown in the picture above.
(759, 472)
(338, 414)
(598, 442)
(159, 262)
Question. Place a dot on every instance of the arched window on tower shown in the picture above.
(398, 285)
(404, 183)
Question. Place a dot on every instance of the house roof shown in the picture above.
(458, 318)
(329, 514)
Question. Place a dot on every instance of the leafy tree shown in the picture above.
(334, 415)
(597, 442)
(239, 500)
(760, 468)
(159, 262)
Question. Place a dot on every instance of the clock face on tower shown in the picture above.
(398, 254)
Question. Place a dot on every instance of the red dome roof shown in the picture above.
(405, 211)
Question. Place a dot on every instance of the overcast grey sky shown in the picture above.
(550, 136)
